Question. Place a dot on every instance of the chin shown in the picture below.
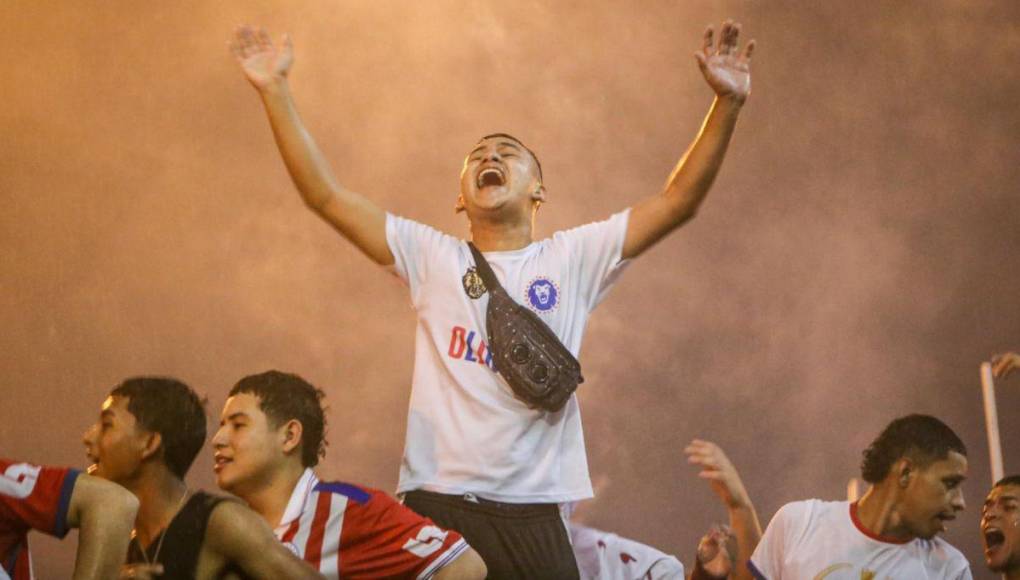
(224, 483)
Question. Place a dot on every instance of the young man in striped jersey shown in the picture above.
(271, 435)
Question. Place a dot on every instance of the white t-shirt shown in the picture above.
(466, 432)
(606, 556)
(825, 540)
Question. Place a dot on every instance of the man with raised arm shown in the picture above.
(477, 459)
(149, 431)
(915, 467)
(1000, 527)
(53, 500)
(724, 549)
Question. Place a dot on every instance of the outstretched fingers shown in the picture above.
(249, 41)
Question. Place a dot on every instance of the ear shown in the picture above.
(459, 206)
(290, 434)
(538, 194)
(152, 445)
(904, 470)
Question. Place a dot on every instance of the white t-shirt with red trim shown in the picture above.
(350, 531)
(825, 540)
(466, 432)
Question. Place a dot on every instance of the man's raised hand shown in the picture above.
(1004, 364)
(720, 473)
(262, 62)
(726, 68)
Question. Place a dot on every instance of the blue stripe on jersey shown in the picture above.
(345, 489)
(755, 572)
(60, 528)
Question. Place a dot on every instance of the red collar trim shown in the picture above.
(860, 528)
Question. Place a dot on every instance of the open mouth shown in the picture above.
(490, 176)
(994, 538)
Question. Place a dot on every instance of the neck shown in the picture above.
(270, 499)
(160, 495)
(501, 236)
(877, 512)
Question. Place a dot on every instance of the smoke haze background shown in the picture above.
(855, 262)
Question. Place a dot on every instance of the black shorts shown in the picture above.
(515, 540)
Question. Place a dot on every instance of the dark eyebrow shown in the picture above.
(500, 144)
(509, 144)
(1001, 498)
(233, 416)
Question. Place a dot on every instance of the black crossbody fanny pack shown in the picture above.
(525, 351)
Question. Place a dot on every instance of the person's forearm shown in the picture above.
(105, 519)
(747, 530)
(697, 169)
(307, 166)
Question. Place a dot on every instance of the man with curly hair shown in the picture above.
(915, 468)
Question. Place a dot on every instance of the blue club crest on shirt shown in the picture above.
(543, 294)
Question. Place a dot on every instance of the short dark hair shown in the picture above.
(169, 407)
(285, 396)
(521, 143)
(922, 437)
(1008, 480)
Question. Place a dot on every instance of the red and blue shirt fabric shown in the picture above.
(349, 531)
(32, 497)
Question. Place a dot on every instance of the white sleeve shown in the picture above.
(414, 246)
(781, 534)
(596, 251)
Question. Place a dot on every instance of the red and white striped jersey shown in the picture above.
(356, 532)
(31, 498)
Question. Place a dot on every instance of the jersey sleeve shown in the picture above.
(37, 496)
(382, 538)
(414, 246)
(596, 251)
(782, 532)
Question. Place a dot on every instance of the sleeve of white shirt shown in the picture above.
(596, 249)
(767, 561)
(965, 574)
(414, 246)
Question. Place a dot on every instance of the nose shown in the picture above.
(988, 516)
(958, 502)
(219, 439)
(88, 436)
(492, 156)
